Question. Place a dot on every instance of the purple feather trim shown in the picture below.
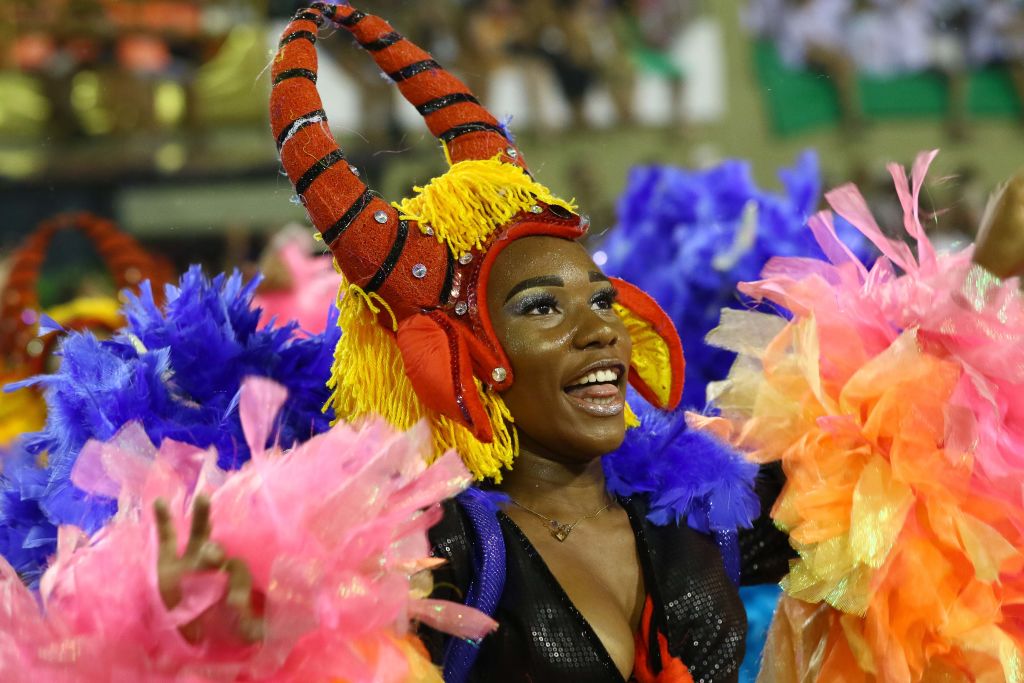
(686, 474)
(177, 370)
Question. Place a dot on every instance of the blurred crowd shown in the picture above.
(888, 37)
(124, 46)
(579, 46)
(884, 38)
(572, 46)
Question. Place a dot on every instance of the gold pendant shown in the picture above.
(560, 531)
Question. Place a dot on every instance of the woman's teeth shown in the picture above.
(597, 393)
(598, 376)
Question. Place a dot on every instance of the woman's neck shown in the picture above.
(554, 487)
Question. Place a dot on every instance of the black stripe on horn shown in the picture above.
(352, 19)
(389, 263)
(475, 127)
(341, 225)
(297, 35)
(295, 73)
(446, 101)
(306, 15)
(326, 9)
(449, 276)
(413, 69)
(307, 179)
(386, 40)
(318, 116)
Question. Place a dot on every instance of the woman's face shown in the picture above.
(551, 308)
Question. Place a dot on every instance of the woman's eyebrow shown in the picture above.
(597, 276)
(540, 281)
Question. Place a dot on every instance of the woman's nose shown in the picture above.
(595, 331)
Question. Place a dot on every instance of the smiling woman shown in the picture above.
(472, 306)
(552, 311)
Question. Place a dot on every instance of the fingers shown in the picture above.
(167, 537)
(239, 598)
(239, 584)
(200, 532)
(202, 554)
(211, 555)
(168, 566)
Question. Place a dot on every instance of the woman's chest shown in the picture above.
(545, 635)
(595, 576)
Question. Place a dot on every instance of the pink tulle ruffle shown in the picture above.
(894, 398)
(334, 533)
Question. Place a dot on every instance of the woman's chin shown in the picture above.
(596, 439)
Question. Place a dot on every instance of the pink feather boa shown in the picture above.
(333, 532)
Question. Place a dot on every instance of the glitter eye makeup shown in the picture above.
(535, 304)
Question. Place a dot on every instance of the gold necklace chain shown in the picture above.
(555, 528)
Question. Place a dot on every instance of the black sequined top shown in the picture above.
(543, 637)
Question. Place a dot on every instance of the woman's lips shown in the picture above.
(601, 400)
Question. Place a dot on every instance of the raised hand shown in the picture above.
(999, 247)
(202, 554)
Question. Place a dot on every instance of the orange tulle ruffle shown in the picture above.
(894, 398)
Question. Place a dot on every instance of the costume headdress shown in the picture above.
(418, 341)
(24, 344)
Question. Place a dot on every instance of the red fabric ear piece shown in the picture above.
(486, 362)
(647, 311)
(438, 363)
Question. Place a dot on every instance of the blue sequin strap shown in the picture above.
(488, 582)
(729, 545)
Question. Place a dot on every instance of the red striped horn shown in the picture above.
(450, 110)
(373, 248)
(123, 256)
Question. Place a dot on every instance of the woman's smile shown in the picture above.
(599, 389)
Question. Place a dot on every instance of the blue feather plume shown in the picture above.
(681, 237)
(178, 372)
(685, 473)
(27, 537)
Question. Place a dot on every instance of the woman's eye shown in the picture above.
(541, 305)
(604, 300)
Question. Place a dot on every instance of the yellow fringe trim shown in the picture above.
(467, 204)
(631, 419)
(368, 378)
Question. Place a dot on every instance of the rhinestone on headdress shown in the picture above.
(465, 258)
(381, 217)
(536, 208)
(419, 271)
(427, 230)
(499, 374)
(461, 308)
(355, 171)
(511, 152)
